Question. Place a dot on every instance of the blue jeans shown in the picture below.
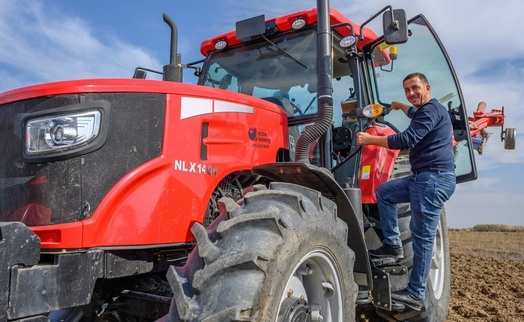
(426, 192)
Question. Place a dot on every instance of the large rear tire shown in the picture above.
(281, 256)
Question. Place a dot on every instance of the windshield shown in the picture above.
(281, 70)
(421, 53)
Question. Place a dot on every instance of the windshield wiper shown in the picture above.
(283, 51)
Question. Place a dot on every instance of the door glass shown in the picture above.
(423, 53)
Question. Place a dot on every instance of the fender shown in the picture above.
(322, 180)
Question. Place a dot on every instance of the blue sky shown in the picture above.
(44, 41)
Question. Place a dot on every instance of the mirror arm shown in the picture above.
(393, 21)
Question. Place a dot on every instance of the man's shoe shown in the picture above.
(387, 251)
(404, 297)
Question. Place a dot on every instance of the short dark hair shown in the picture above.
(420, 76)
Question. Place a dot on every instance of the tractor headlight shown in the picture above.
(298, 23)
(220, 44)
(65, 132)
(61, 132)
(348, 41)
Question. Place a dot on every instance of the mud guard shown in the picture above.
(322, 180)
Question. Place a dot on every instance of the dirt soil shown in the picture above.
(487, 276)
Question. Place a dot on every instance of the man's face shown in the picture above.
(417, 92)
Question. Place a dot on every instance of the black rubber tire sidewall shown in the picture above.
(255, 254)
(313, 236)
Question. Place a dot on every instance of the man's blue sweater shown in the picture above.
(429, 136)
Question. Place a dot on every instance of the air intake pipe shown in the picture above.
(324, 85)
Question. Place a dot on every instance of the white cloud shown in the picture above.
(45, 45)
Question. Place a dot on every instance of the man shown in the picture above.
(429, 136)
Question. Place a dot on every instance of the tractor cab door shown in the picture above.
(423, 52)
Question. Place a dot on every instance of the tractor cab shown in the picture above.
(276, 60)
(278, 63)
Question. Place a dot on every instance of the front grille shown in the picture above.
(69, 190)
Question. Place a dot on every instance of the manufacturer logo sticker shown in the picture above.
(260, 138)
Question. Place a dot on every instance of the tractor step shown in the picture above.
(384, 261)
(388, 276)
(399, 312)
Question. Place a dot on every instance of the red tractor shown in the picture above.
(107, 185)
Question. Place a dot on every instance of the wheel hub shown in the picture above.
(295, 310)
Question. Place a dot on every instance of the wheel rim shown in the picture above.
(436, 274)
(315, 280)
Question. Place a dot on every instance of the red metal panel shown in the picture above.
(158, 202)
(376, 166)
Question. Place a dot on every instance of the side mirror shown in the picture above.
(395, 27)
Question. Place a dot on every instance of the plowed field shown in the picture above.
(487, 276)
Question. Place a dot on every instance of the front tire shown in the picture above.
(281, 256)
